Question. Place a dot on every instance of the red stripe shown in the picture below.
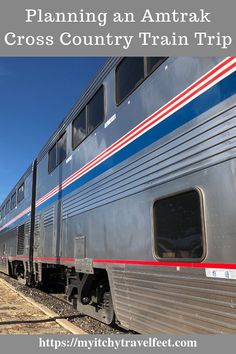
(121, 141)
(136, 133)
(167, 264)
(136, 262)
(138, 130)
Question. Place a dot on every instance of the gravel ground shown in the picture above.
(65, 310)
(18, 316)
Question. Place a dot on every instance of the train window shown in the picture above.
(178, 226)
(8, 206)
(2, 212)
(20, 193)
(129, 74)
(79, 128)
(13, 201)
(52, 159)
(95, 110)
(61, 149)
(57, 153)
(153, 63)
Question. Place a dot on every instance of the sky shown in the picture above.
(35, 96)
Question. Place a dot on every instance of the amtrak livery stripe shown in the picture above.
(17, 217)
(132, 262)
(200, 96)
(167, 264)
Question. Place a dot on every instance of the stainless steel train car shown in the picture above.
(131, 203)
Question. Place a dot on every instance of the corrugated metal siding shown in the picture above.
(47, 239)
(36, 226)
(36, 235)
(49, 217)
(21, 240)
(208, 142)
(165, 300)
(27, 228)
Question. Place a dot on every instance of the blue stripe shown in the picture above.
(214, 95)
(19, 221)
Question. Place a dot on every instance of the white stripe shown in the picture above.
(130, 139)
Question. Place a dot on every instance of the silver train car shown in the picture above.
(131, 203)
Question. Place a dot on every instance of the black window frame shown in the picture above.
(2, 212)
(64, 135)
(162, 59)
(8, 206)
(203, 234)
(134, 88)
(15, 202)
(56, 145)
(74, 145)
(19, 200)
(51, 169)
(85, 108)
(146, 75)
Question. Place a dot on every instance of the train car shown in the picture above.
(15, 227)
(131, 201)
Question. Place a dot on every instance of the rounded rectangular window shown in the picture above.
(8, 206)
(13, 201)
(52, 159)
(129, 73)
(178, 226)
(20, 193)
(79, 127)
(57, 153)
(61, 149)
(95, 110)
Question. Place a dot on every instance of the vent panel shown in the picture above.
(21, 240)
